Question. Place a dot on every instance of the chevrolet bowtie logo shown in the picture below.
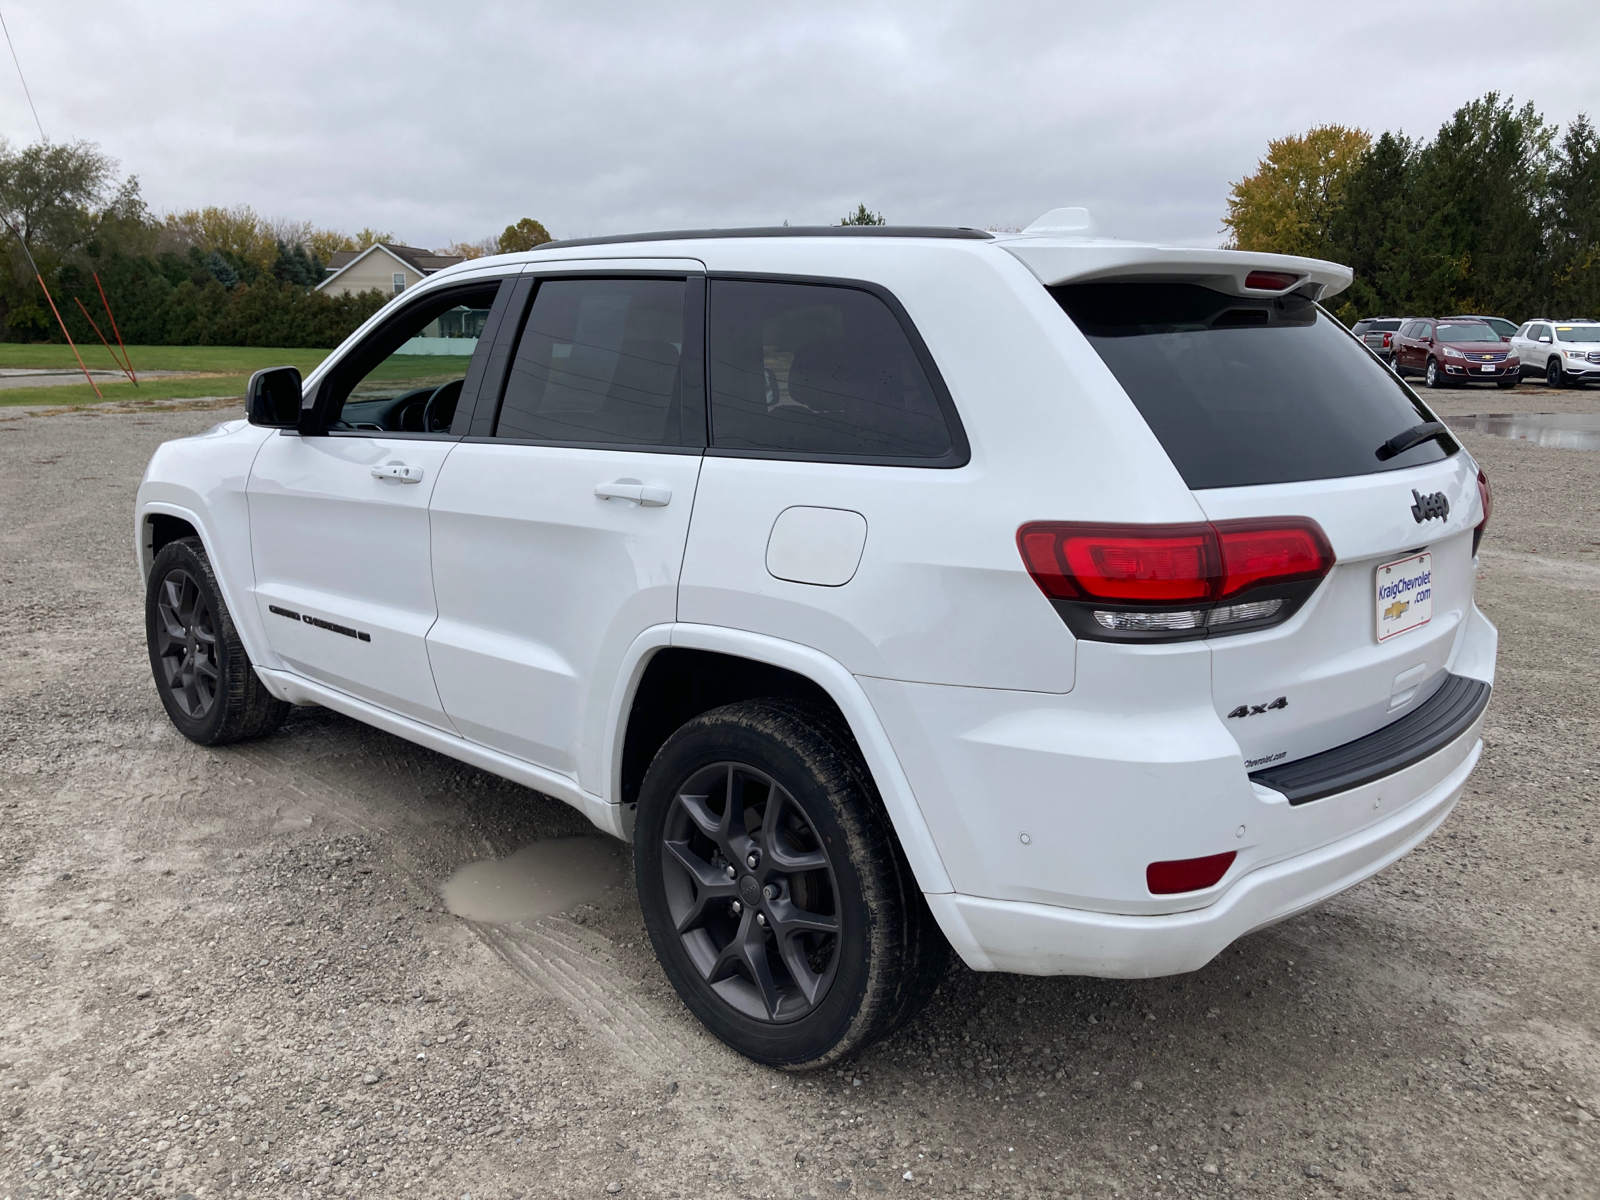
(1395, 609)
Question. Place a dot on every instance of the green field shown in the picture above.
(223, 371)
(226, 359)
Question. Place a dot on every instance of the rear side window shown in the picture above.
(820, 371)
(602, 362)
(1248, 391)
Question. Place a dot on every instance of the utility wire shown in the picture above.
(20, 76)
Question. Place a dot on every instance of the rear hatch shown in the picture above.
(1270, 409)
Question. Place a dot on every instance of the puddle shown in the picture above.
(1559, 431)
(540, 879)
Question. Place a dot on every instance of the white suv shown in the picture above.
(1076, 604)
(1564, 352)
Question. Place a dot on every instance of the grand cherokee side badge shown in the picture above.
(1250, 710)
(1427, 508)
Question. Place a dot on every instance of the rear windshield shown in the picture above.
(1467, 333)
(1381, 326)
(1247, 391)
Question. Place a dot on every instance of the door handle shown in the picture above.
(641, 494)
(398, 471)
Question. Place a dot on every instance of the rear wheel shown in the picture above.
(206, 682)
(776, 897)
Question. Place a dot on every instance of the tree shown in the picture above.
(862, 216)
(1286, 207)
(524, 235)
(1575, 221)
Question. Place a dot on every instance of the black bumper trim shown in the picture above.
(1445, 716)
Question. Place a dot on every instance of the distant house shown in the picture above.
(388, 268)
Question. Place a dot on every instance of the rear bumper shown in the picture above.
(1041, 939)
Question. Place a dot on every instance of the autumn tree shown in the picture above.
(1287, 205)
(524, 235)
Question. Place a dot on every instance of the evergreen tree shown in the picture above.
(1575, 222)
(862, 216)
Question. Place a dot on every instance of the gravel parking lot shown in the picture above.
(231, 973)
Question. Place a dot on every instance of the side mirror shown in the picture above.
(1544, 337)
(272, 398)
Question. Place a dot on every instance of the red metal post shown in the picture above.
(70, 342)
(114, 329)
(102, 338)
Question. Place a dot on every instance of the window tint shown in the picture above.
(1247, 391)
(1383, 326)
(1467, 333)
(815, 369)
(600, 362)
(421, 355)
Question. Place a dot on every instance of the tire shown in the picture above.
(204, 678)
(1510, 381)
(822, 946)
(1554, 375)
(1432, 375)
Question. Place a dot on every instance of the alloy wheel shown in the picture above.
(751, 892)
(186, 642)
(1552, 372)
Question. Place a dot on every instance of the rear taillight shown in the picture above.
(1387, 340)
(1187, 874)
(1165, 582)
(1486, 495)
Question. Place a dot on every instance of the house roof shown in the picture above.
(424, 262)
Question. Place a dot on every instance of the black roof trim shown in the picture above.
(772, 231)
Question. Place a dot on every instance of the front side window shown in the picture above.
(815, 370)
(602, 362)
(1243, 391)
(1540, 333)
(407, 376)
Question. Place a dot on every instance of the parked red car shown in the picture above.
(1449, 351)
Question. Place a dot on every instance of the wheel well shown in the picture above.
(680, 684)
(159, 529)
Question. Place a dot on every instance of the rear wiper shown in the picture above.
(1408, 438)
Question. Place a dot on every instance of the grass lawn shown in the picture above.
(223, 359)
(224, 370)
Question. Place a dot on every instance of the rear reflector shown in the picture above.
(1486, 495)
(1270, 281)
(1187, 874)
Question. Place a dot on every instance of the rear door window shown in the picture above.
(822, 372)
(1245, 391)
(604, 362)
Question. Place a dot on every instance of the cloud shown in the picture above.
(449, 121)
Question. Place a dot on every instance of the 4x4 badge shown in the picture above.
(1250, 710)
(1427, 508)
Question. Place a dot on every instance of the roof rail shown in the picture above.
(771, 231)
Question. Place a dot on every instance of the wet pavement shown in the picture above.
(1555, 431)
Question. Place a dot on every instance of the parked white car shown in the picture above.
(1077, 604)
(1566, 353)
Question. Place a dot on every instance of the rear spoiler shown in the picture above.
(1083, 260)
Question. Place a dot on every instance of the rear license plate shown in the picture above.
(1404, 594)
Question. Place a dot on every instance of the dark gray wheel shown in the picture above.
(1431, 376)
(751, 892)
(206, 682)
(1510, 381)
(1554, 375)
(774, 892)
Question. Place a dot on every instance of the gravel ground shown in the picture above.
(230, 973)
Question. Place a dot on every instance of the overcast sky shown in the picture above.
(443, 121)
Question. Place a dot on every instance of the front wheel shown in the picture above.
(1510, 381)
(1554, 375)
(204, 677)
(1431, 376)
(774, 893)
